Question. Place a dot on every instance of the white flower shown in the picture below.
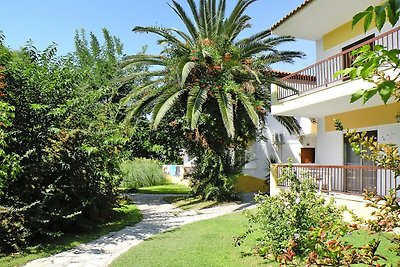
(296, 236)
(297, 200)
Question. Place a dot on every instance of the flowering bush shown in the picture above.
(287, 219)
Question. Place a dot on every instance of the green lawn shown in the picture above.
(165, 189)
(210, 243)
(204, 243)
(127, 214)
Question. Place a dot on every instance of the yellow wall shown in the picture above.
(314, 128)
(250, 184)
(342, 34)
(367, 117)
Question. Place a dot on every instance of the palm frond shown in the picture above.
(187, 68)
(245, 100)
(140, 59)
(193, 8)
(185, 19)
(197, 97)
(238, 27)
(226, 109)
(220, 17)
(184, 36)
(230, 23)
(280, 56)
(256, 37)
(163, 32)
(202, 19)
(140, 75)
(137, 108)
(254, 48)
(291, 124)
(164, 104)
(138, 92)
(277, 40)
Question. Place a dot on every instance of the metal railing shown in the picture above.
(322, 73)
(346, 179)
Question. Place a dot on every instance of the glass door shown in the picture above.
(356, 179)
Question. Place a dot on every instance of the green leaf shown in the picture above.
(39, 106)
(186, 71)
(393, 56)
(380, 16)
(386, 89)
(358, 17)
(368, 18)
(368, 94)
(197, 97)
(226, 108)
(344, 72)
(393, 10)
(244, 99)
(163, 107)
(89, 149)
(357, 95)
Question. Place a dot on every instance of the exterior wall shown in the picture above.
(333, 42)
(262, 152)
(247, 184)
(330, 149)
(366, 117)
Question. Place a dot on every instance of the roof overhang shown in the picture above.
(314, 18)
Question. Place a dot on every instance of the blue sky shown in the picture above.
(47, 21)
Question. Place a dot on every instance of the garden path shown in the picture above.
(158, 216)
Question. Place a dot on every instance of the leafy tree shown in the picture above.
(368, 66)
(217, 82)
(65, 134)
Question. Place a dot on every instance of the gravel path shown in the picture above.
(158, 216)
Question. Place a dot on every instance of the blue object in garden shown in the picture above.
(172, 170)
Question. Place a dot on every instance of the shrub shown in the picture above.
(59, 154)
(13, 228)
(286, 219)
(141, 172)
(209, 179)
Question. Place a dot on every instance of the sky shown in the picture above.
(48, 21)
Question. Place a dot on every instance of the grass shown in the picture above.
(141, 172)
(204, 243)
(164, 189)
(127, 214)
(361, 237)
(210, 243)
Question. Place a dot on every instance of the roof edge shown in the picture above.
(295, 11)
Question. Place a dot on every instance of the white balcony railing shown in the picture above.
(322, 73)
(346, 179)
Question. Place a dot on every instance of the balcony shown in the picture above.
(352, 180)
(321, 75)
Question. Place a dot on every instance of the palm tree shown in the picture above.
(207, 63)
(221, 83)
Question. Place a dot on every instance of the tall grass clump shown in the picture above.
(141, 172)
